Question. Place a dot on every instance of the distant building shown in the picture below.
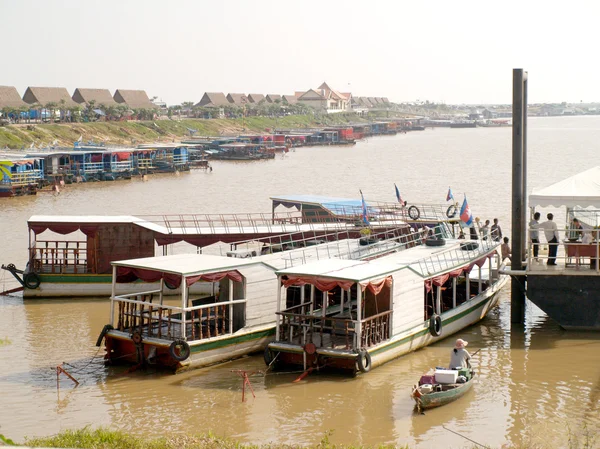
(213, 100)
(273, 98)
(45, 95)
(237, 99)
(256, 98)
(135, 99)
(98, 96)
(289, 99)
(10, 98)
(325, 98)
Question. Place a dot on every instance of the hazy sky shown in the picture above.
(443, 51)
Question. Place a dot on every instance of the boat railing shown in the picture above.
(138, 312)
(577, 249)
(92, 167)
(303, 328)
(54, 256)
(375, 329)
(121, 166)
(454, 257)
(23, 178)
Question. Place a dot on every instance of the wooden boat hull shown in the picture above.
(121, 349)
(93, 285)
(439, 398)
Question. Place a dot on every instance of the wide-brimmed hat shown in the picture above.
(460, 344)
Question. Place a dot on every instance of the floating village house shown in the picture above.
(100, 97)
(10, 98)
(135, 99)
(256, 98)
(237, 99)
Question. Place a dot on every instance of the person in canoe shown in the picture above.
(460, 357)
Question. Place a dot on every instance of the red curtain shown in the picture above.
(323, 284)
(123, 156)
(129, 274)
(64, 228)
(377, 286)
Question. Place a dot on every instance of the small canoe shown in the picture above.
(438, 394)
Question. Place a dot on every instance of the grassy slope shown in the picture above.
(151, 131)
(108, 439)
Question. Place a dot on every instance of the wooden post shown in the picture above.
(230, 306)
(519, 157)
(453, 293)
(358, 317)
(112, 295)
(278, 316)
(184, 306)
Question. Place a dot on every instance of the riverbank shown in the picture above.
(110, 439)
(128, 133)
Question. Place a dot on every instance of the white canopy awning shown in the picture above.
(581, 190)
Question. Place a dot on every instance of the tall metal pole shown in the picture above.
(517, 302)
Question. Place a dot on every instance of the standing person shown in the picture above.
(551, 233)
(460, 357)
(534, 234)
(505, 249)
(485, 230)
(496, 231)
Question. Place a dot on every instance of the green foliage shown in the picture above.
(6, 441)
(108, 439)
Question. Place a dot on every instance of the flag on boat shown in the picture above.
(364, 216)
(398, 196)
(80, 138)
(449, 196)
(465, 213)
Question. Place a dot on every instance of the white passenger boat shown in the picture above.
(355, 315)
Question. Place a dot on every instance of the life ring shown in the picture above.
(432, 241)
(136, 337)
(363, 361)
(170, 286)
(105, 330)
(31, 281)
(179, 350)
(435, 325)
(414, 213)
(451, 211)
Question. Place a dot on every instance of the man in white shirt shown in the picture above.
(552, 236)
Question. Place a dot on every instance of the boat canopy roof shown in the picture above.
(186, 264)
(350, 270)
(582, 190)
(334, 204)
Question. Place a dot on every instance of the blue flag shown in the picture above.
(398, 196)
(465, 213)
(449, 196)
(364, 216)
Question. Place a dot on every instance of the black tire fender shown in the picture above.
(179, 350)
(435, 325)
(364, 361)
(414, 213)
(269, 355)
(105, 330)
(32, 281)
(432, 241)
(136, 337)
(451, 211)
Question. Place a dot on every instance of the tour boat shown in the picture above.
(355, 315)
(236, 318)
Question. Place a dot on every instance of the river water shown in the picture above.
(538, 384)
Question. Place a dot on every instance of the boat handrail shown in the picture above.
(442, 261)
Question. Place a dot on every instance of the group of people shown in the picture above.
(493, 231)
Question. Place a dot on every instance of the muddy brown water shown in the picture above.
(537, 383)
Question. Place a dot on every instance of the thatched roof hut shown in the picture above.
(237, 99)
(213, 99)
(10, 98)
(135, 99)
(45, 95)
(271, 98)
(290, 99)
(99, 96)
(256, 98)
